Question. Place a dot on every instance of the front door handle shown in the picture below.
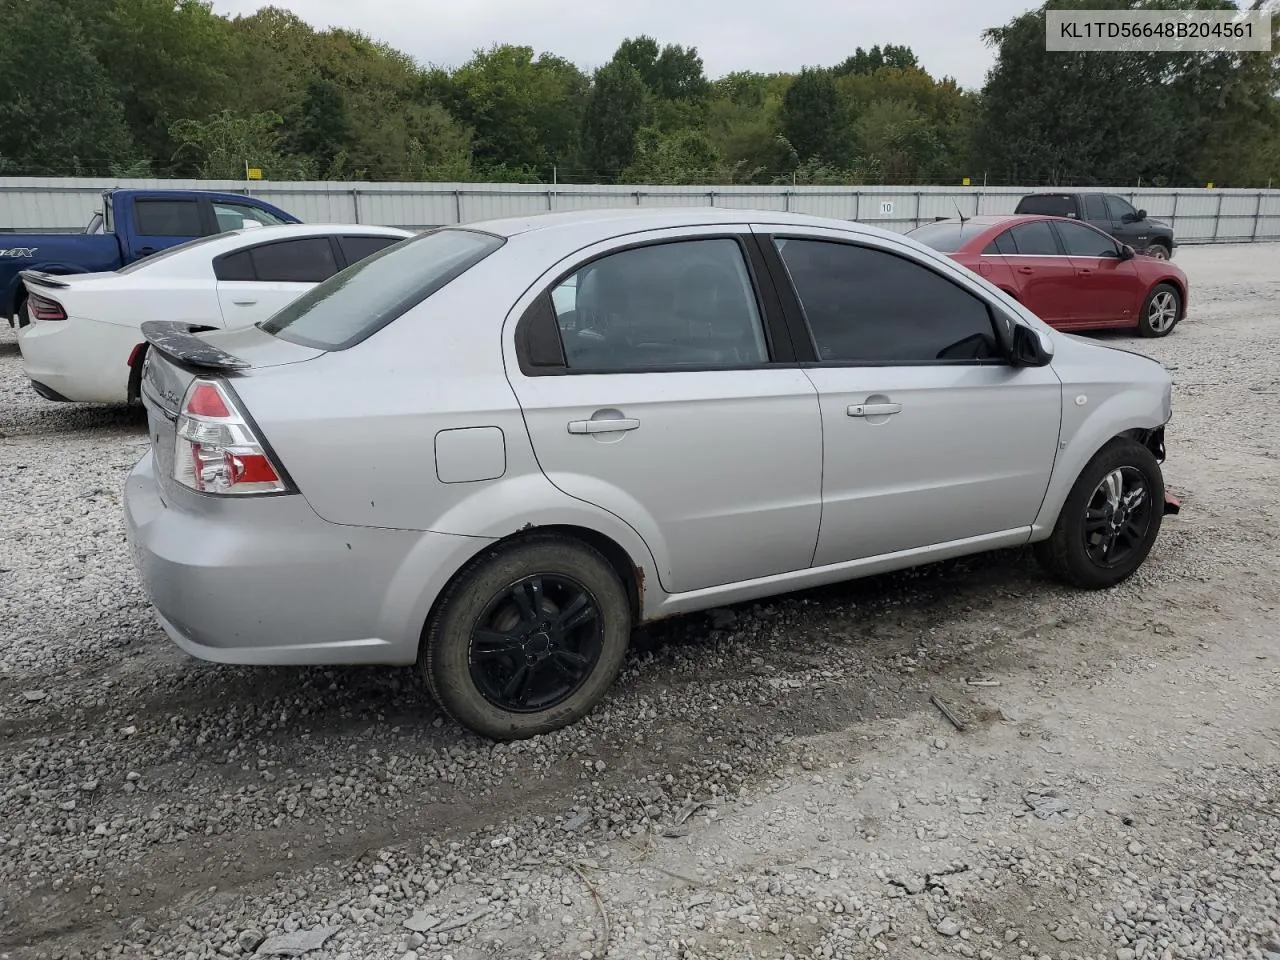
(1084, 272)
(244, 303)
(602, 426)
(1024, 269)
(874, 409)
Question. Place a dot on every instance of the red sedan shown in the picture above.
(1069, 274)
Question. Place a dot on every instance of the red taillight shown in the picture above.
(205, 400)
(133, 354)
(42, 308)
(216, 449)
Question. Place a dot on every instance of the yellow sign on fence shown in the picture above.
(964, 182)
(253, 173)
(1209, 185)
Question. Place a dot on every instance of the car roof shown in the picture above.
(605, 222)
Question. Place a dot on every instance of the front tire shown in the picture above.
(1110, 519)
(1161, 311)
(1157, 251)
(527, 638)
(23, 314)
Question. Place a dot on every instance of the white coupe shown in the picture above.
(84, 332)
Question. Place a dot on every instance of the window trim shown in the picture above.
(334, 249)
(778, 340)
(1062, 241)
(803, 335)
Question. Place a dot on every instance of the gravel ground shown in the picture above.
(768, 781)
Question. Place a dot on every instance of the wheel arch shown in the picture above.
(1126, 415)
(629, 572)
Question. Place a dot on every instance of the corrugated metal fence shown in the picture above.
(1197, 216)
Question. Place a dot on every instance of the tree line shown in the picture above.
(169, 88)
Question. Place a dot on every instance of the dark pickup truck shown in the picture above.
(1110, 213)
(132, 224)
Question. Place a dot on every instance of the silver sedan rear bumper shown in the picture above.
(264, 580)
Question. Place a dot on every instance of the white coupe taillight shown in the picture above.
(216, 450)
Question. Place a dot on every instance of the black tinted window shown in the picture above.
(234, 266)
(309, 260)
(1035, 239)
(168, 218)
(365, 297)
(357, 248)
(1049, 205)
(689, 303)
(1094, 208)
(1119, 208)
(1002, 244)
(869, 306)
(1080, 241)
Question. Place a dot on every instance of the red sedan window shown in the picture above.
(1035, 239)
(1001, 244)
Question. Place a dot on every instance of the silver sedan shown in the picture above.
(492, 449)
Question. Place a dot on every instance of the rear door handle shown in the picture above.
(602, 426)
(874, 409)
(244, 303)
(1084, 272)
(1024, 269)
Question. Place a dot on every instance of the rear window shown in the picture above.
(1049, 205)
(360, 300)
(945, 237)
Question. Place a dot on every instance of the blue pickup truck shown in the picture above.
(132, 224)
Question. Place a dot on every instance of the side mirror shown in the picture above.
(1127, 252)
(1142, 215)
(1029, 348)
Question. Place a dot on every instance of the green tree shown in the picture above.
(170, 60)
(222, 146)
(1108, 117)
(811, 117)
(684, 157)
(321, 128)
(526, 113)
(64, 117)
(898, 139)
(616, 110)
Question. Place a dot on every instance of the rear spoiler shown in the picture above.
(42, 279)
(177, 340)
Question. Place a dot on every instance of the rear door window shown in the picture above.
(1094, 208)
(1003, 244)
(687, 303)
(356, 248)
(307, 260)
(365, 297)
(1035, 239)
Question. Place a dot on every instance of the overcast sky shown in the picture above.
(761, 35)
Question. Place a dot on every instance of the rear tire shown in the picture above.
(1161, 311)
(1118, 499)
(527, 638)
(23, 314)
